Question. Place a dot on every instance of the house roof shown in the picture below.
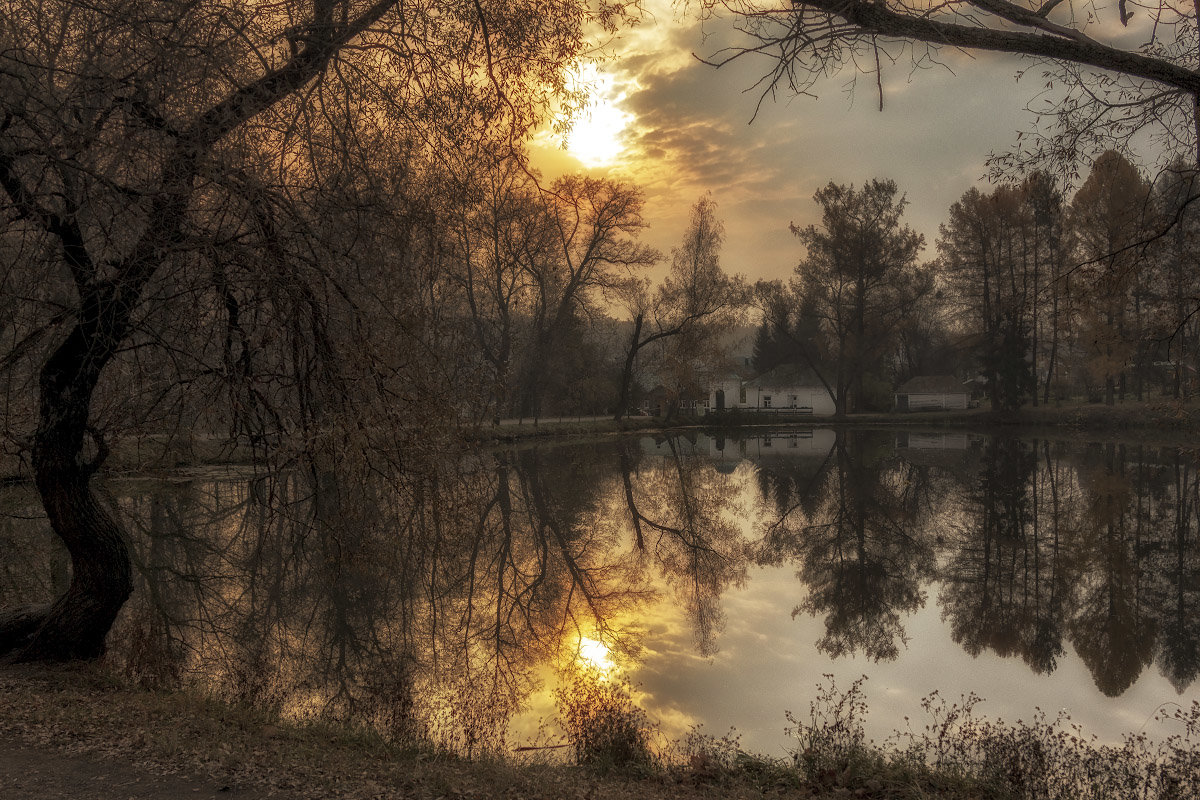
(932, 384)
(785, 375)
(735, 372)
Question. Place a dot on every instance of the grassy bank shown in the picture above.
(1164, 418)
(81, 710)
(1138, 415)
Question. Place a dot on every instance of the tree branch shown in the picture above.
(1055, 43)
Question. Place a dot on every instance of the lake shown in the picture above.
(724, 577)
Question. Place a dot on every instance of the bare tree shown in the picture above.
(593, 224)
(500, 238)
(1118, 82)
(697, 298)
(141, 146)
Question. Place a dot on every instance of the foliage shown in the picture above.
(604, 726)
(859, 276)
(831, 743)
(1109, 214)
(1002, 261)
(1006, 360)
(1053, 759)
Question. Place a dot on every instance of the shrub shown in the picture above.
(604, 727)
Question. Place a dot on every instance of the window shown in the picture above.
(793, 400)
(742, 395)
(766, 401)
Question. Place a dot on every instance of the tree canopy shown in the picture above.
(237, 201)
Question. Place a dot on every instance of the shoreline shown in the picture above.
(76, 731)
(1162, 421)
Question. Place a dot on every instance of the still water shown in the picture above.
(723, 577)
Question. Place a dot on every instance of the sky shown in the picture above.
(678, 128)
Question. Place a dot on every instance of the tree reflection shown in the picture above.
(866, 555)
(1114, 628)
(435, 601)
(1007, 578)
(684, 515)
(1177, 565)
(430, 604)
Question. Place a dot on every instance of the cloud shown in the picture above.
(691, 132)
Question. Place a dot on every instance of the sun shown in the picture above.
(596, 655)
(596, 136)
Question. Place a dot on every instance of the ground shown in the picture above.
(50, 775)
(76, 732)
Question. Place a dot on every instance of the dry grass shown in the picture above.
(79, 710)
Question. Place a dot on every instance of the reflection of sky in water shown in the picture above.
(767, 664)
(276, 602)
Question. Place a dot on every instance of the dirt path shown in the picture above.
(27, 772)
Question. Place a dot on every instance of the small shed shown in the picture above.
(932, 392)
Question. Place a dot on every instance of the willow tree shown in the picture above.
(153, 153)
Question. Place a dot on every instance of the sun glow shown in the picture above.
(596, 655)
(597, 134)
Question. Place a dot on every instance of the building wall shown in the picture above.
(814, 397)
(937, 400)
(731, 387)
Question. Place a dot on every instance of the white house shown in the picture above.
(787, 387)
(727, 390)
(790, 387)
(932, 392)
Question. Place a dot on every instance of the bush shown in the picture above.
(603, 725)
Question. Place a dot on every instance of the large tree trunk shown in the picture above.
(75, 626)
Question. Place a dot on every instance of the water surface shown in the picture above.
(724, 577)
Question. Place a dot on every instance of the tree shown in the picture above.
(1113, 92)
(593, 250)
(860, 274)
(146, 149)
(694, 303)
(790, 331)
(997, 252)
(1052, 275)
(1178, 284)
(1108, 215)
